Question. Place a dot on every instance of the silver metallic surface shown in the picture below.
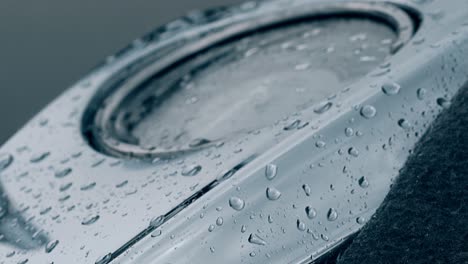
(63, 201)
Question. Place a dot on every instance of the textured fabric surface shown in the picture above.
(424, 218)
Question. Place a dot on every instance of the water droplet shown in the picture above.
(270, 171)
(219, 221)
(320, 144)
(199, 142)
(156, 233)
(363, 182)
(90, 220)
(255, 239)
(211, 228)
(51, 245)
(122, 184)
(391, 88)
(65, 186)
(324, 237)
(442, 102)
(332, 214)
(272, 193)
(306, 189)
(300, 225)
(380, 72)
(311, 212)
(63, 172)
(349, 132)
(88, 186)
(270, 219)
(236, 203)
(403, 123)
(157, 221)
(243, 229)
(192, 170)
(39, 157)
(353, 152)
(45, 210)
(421, 93)
(5, 161)
(295, 124)
(361, 220)
(368, 111)
(323, 107)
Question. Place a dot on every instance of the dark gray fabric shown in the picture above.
(424, 218)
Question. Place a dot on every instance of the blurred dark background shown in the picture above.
(47, 45)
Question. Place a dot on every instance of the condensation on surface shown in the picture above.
(62, 201)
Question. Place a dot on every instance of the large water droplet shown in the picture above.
(349, 132)
(45, 210)
(311, 212)
(295, 124)
(306, 189)
(88, 186)
(361, 220)
(323, 107)
(255, 239)
(320, 144)
(368, 111)
(211, 228)
(300, 225)
(39, 157)
(403, 123)
(272, 193)
(156, 233)
(122, 184)
(236, 203)
(63, 172)
(23, 261)
(192, 170)
(65, 186)
(270, 171)
(363, 182)
(391, 88)
(199, 142)
(421, 93)
(442, 102)
(353, 152)
(5, 161)
(243, 229)
(90, 220)
(332, 214)
(51, 245)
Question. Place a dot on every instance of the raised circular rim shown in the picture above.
(216, 32)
